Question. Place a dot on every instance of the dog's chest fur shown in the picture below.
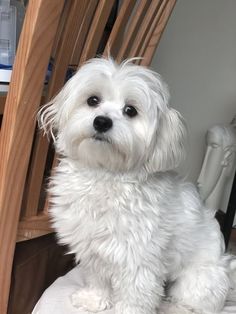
(99, 215)
(114, 222)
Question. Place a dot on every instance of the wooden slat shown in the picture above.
(117, 34)
(18, 125)
(153, 23)
(64, 16)
(62, 59)
(35, 177)
(83, 32)
(156, 36)
(2, 103)
(132, 30)
(30, 228)
(96, 29)
(144, 27)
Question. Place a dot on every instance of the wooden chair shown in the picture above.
(68, 33)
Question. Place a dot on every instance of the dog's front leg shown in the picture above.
(94, 296)
(137, 292)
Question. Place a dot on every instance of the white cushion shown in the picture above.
(56, 299)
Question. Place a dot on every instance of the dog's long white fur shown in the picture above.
(139, 231)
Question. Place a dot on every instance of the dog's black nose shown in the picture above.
(102, 123)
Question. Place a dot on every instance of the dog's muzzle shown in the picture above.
(102, 124)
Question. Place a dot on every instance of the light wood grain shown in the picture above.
(64, 16)
(117, 34)
(83, 32)
(96, 29)
(33, 227)
(133, 29)
(155, 36)
(18, 125)
(152, 27)
(144, 27)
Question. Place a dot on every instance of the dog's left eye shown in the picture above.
(93, 101)
(130, 111)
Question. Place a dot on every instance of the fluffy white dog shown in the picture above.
(139, 231)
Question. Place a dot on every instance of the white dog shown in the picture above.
(139, 231)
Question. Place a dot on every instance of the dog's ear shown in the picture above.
(168, 142)
(50, 114)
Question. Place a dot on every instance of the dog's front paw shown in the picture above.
(91, 300)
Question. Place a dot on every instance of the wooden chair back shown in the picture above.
(67, 32)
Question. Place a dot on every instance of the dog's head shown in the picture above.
(116, 117)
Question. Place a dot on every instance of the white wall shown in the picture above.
(197, 58)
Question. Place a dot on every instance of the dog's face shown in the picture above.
(115, 117)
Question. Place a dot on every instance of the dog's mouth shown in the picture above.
(100, 137)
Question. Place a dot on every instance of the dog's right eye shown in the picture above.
(93, 101)
(130, 111)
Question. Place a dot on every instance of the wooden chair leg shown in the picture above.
(18, 125)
